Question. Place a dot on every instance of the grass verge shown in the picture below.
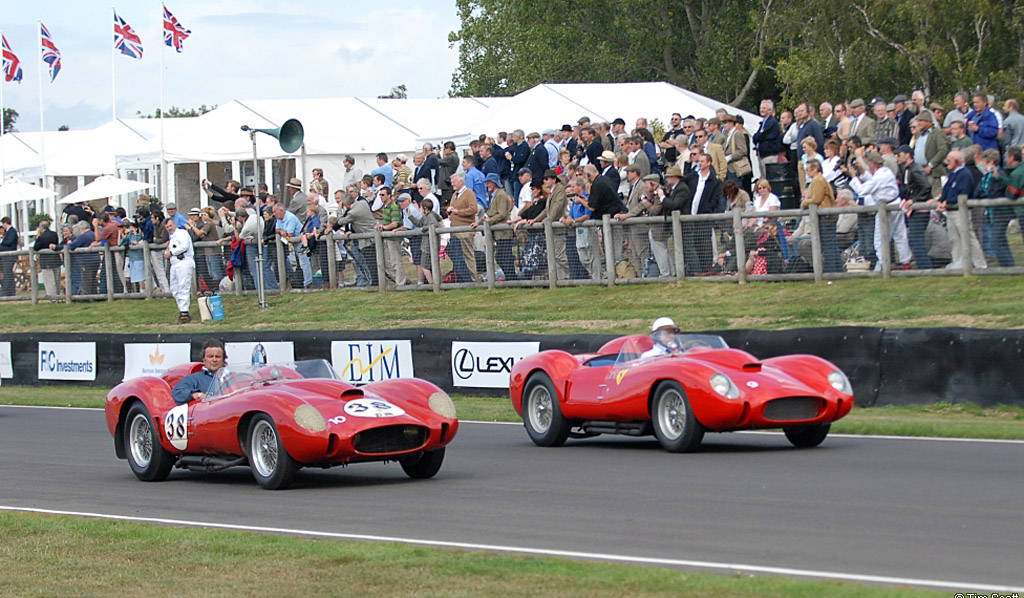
(66, 556)
(967, 420)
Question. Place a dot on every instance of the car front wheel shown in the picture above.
(423, 466)
(271, 464)
(675, 425)
(807, 436)
(541, 414)
(149, 460)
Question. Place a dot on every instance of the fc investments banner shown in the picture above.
(487, 365)
(363, 362)
(67, 361)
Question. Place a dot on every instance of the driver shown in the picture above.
(195, 386)
(663, 331)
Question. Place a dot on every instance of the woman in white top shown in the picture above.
(810, 147)
(764, 201)
(621, 162)
(830, 167)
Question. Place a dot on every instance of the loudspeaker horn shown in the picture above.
(289, 135)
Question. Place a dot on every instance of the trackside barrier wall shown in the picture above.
(886, 366)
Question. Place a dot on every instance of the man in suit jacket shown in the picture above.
(715, 151)
(606, 167)
(556, 208)
(768, 137)
(638, 156)
(829, 119)
(498, 211)
(538, 161)
(736, 153)
(707, 199)
(359, 219)
(594, 147)
(637, 204)
(903, 118)
(931, 146)
(604, 199)
(861, 125)
(447, 166)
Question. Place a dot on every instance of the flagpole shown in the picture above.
(42, 128)
(163, 159)
(3, 121)
(113, 74)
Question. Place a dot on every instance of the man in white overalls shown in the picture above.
(179, 252)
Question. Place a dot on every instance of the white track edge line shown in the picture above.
(786, 571)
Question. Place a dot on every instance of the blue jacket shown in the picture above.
(476, 184)
(960, 182)
(200, 381)
(538, 161)
(988, 128)
(10, 240)
(768, 138)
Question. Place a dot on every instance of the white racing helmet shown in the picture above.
(664, 323)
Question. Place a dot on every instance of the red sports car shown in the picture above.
(276, 419)
(677, 392)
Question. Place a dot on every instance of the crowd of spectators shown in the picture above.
(912, 155)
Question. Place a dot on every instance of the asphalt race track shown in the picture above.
(924, 511)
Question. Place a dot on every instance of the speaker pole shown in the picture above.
(258, 276)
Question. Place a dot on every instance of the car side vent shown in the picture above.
(752, 367)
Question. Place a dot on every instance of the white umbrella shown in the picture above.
(13, 191)
(103, 187)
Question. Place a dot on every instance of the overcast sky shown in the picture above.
(238, 49)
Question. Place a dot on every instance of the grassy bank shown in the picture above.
(980, 302)
(47, 555)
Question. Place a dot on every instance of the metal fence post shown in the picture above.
(817, 261)
(382, 273)
(108, 271)
(67, 272)
(332, 260)
(489, 253)
(434, 240)
(549, 244)
(150, 280)
(282, 272)
(885, 234)
(964, 218)
(609, 253)
(33, 280)
(740, 244)
(677, 245)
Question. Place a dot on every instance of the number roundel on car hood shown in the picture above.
(370, 407)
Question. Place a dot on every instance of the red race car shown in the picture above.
(677, 391)
(276, 419)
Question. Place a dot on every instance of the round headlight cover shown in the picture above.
(441, 404)
(724, 386)
(308, 417)
(840, 382)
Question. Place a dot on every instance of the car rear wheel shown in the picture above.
(807, 436)
(272, 466)
(149, 460)
(675, 425)
(423, 466)
(541, 414)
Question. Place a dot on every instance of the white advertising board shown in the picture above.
(363, 362)
(67, 361)
(487, 365)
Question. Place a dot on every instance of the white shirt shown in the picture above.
(698, 192)
(878, 187)
(765, 204)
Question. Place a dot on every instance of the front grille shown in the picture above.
(390, 439)
(792, 408)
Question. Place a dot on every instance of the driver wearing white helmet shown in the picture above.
(663, 331)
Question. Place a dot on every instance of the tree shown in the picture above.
(10, 117)
(63, 128)
(175, 112)
(399, 92)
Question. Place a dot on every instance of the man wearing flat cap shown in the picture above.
(551, 145)
(931, 146)
(903, 118)
(554, 210)
(638, 201)
(538, 161)
(884, 126)
(861, 124)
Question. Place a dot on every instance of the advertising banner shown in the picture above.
(153, 359)
(6, 365)
(260, 352)
(363, 362)
(487, 365)
(67, 361)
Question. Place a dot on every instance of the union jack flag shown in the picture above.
(125, 38)
(12, 66)
(51, 55)
(174, 34)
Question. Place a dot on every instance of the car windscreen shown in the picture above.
(234, 378)
(662, 344)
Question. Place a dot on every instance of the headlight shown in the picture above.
(441, 404)
(309, 418)
(840, 382)
(724, 386)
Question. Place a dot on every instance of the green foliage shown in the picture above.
(399, 92)
(175, 112)
(35, 219)
(742, 50)
(10, 117)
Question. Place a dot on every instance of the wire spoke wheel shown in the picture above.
(675, 425)
(542, 415)
(271, 464)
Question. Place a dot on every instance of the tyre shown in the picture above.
(807, 436)
(541, 414)
(423, 466)
(149, 460)
(272, 466)
(675, 425)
